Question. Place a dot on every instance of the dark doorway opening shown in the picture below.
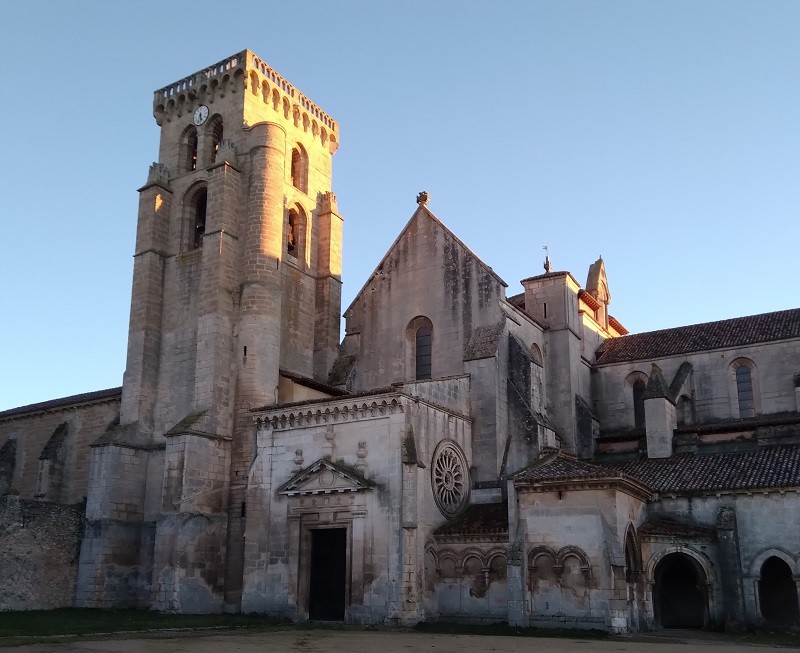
(777, 593)
(326, 597)
(680, 593)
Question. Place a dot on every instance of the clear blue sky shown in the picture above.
(663, 135)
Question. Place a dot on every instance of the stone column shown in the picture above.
(259, 325)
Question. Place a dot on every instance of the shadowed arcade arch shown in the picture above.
(777, 593)
(680, 596)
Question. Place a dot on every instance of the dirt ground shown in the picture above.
(332, 641)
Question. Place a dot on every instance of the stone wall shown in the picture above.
(59, 431)
(710, 385)
(39, 547)
(386, 441)
(429, 273)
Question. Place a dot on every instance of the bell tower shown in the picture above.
(237, 276)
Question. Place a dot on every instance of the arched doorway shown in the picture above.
(777, 593)
(679, 595)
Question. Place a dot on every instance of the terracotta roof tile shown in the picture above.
(561, 466)
(764, 468)
(517, 300)
(735, 332)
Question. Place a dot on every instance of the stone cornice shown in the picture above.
(342, 409)
(624, 484)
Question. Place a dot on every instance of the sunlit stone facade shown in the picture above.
(460, 454)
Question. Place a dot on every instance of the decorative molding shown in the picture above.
(324, 477)
(342, 412)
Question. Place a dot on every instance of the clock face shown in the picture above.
(200, 114)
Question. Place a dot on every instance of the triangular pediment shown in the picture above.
(422, 219)
(325, 477)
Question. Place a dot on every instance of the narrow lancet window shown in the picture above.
(638, 403)
(299, 169)
(200, 207)
(215, 131)
(423, 352)
(292, 234)
(191, 150)
(744, 391)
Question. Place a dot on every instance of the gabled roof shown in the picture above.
(313, 384)
(423, 213)
(762, 469)
(556, 467)
(325, 477)
(561, 466)
(736, 332)
(63, 402)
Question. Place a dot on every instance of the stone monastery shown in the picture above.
(460, 454)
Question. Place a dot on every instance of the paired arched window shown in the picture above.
(299, 170)
(196, 207)
(638, 390)
(296, 233)
(214, 137)
(189, 149)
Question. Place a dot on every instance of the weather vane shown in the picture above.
(547, 265)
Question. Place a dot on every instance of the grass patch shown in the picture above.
(86, 621)
(450, 628)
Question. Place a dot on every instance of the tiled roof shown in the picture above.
(764, 468)
(549, 275)
(477, 519)
(735, 332)
(63, 402)
(561, 466)
(312, 383)
(483, 342)
(661, 527)
(322, 400)
(517, 300)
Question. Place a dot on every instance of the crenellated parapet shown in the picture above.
(245, 72)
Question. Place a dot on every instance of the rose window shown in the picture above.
(450, 478)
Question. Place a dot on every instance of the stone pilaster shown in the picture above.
(144, 335)
(328, 287)
(730, 569)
